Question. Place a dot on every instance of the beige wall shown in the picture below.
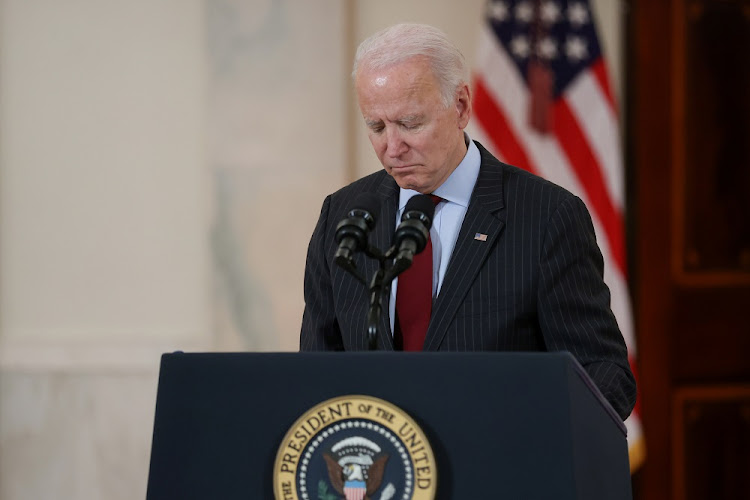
(148, 155)
(104, 260)
(103, 200)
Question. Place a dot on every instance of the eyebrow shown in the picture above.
(410, 118)
(402, 120)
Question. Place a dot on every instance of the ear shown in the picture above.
(463, 105)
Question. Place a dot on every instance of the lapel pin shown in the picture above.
(480, 237)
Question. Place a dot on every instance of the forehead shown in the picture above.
(410, 83)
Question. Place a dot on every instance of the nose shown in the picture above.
(395, 144)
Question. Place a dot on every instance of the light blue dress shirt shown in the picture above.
(449, 216)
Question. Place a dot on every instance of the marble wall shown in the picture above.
(276, 146)
(162, 166)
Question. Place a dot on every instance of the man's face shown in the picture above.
(417, 139)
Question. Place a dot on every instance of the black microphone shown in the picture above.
(352, 231)
(412, 233)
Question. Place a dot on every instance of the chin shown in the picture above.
(409, 185)
(407, 182)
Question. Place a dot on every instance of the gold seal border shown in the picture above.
(341, 408)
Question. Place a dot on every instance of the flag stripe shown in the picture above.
(599, 70)
(496, 126)
(599, 123)
(587, 169)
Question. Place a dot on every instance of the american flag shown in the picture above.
(543, 102)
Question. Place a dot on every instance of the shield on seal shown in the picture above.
(355, 490)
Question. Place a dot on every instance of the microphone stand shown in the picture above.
(378, 288)
(376, 309)
(375, 288)
(377, 294)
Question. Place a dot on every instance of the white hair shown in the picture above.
(403, 41)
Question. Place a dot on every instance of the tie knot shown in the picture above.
(435, 199)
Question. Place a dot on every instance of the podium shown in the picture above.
(501, 425)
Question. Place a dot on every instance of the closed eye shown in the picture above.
(410, 122)
(374, 126)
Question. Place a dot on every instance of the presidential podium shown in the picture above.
(501, 425)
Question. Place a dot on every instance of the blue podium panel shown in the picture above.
(501, 425)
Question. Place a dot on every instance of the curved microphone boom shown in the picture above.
(352, 231)
(412, 233)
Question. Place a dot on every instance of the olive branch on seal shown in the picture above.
(323, 492)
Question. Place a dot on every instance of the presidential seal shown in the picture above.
(354, 448)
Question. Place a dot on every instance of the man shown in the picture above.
(515, 263)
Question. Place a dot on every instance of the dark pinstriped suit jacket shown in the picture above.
(535, 284)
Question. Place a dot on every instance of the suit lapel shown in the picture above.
(483, 218)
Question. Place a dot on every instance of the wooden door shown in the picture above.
(688, 157)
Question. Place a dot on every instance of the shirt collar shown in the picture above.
(458, 187)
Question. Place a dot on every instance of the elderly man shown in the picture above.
(515, 264)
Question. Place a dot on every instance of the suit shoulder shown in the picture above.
(520, 183)
(524, 179)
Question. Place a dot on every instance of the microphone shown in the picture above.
(352, 231)
(412, 234)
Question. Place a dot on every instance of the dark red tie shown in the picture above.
(414, 299)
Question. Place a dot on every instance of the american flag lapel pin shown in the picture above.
(480, 237)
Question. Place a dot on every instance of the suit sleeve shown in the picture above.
(574, 304)
(320, 329)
